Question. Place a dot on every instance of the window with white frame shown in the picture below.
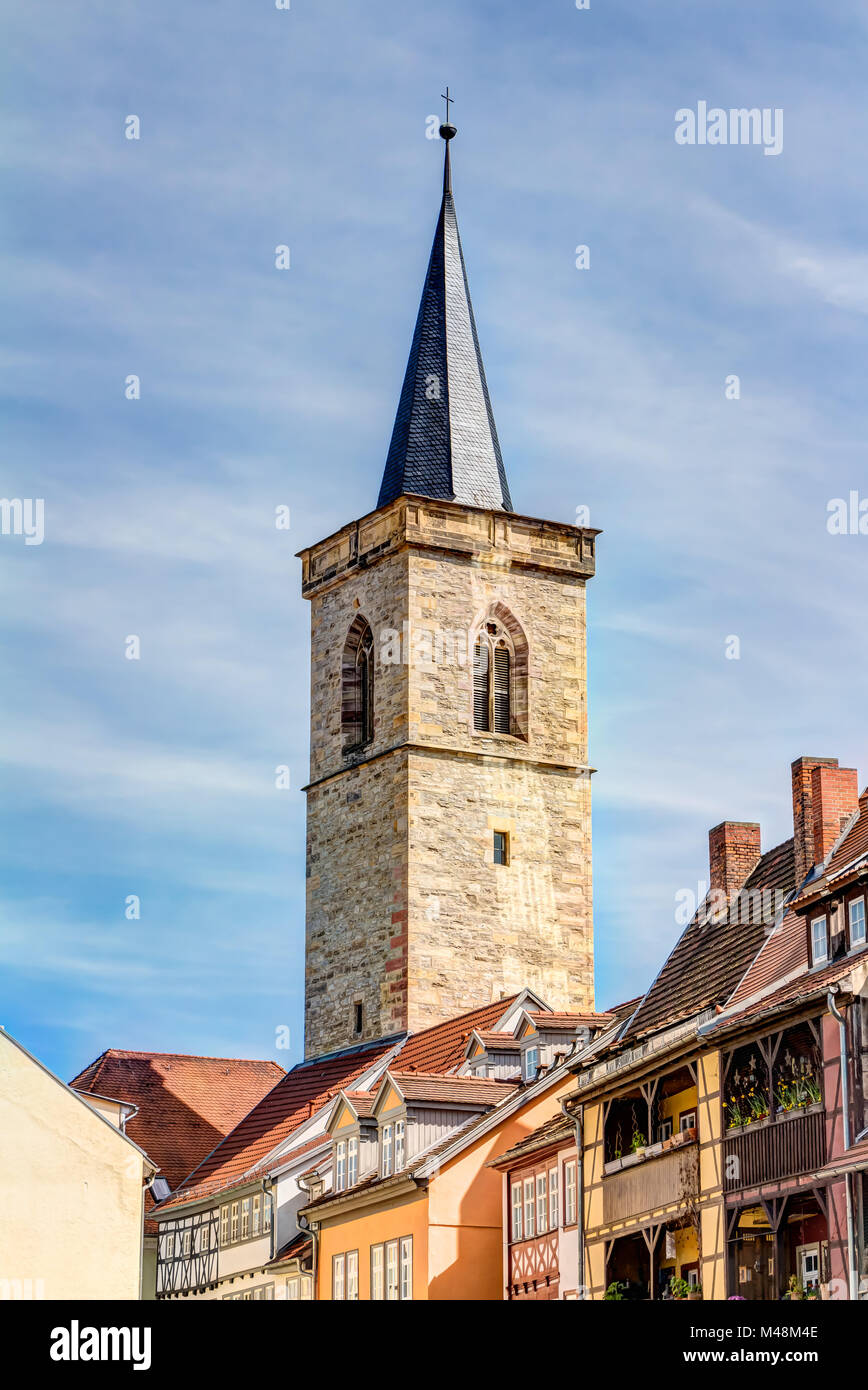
(531, 1063)
(204, 1237)
(392, 1289)
(857, 922)
(245, 1217)
(399, 1145)
(541, 1204)
(686, 1121)
(257, 1213)
(352, 1275)
(406, 1262)
(819, 944)
(339, 1268)
(224, 1225)
(307, 1286)
(529, 1227)
(340, 1165)
(570, 1193)
(293, 1288)
(664, 1129)
(236, 1211)
(516, 1211)
(187, 1241)
(352, 1162)
(266, 1211)
(554, 1214)
(386, 1145)
(378, 1286)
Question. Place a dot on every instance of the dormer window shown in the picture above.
(399, 1145)
(819, 941)
(340, 1165)
(386, 1143)
(531, 1063)
(857, 922)
(352, 1162)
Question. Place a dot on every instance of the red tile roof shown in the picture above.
(563, 1021)
(494, 1041)
(187, 1105)
(784, 951)
(441, 1047)
(451, 1090)
(854, 844)
(302, 1092)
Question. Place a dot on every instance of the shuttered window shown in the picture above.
(492, 677)
(501, 689)
(480, 685)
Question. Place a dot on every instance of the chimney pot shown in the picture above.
(834, 799)
(803, 813)
(733, 853)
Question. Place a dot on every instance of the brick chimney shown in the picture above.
(836, 790)
(834, 797)
(733, 853)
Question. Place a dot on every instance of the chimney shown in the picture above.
(834, 786)
(733, 854)
(834, 797)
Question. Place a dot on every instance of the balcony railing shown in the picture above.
(775, 1149)
(664, 1180)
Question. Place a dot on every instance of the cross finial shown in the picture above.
(450, 101)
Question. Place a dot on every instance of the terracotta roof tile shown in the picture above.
(457, 1090)
(498, 1042)
(301, 1093)
(186, 1105)
(563, 1021)
(854, 845)
(441, 1047)
(784, 951)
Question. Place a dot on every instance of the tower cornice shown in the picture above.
(500, 538)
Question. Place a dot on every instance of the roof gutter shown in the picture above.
(845, 1109)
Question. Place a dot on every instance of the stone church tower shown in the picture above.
(449, 802)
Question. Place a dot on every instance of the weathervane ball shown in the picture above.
(448, 132)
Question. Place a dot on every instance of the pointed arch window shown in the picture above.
(357, 692)
(492, 680)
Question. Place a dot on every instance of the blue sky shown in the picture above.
(155, 257)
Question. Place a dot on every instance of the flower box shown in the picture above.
(629, 1159)
(613, 1166)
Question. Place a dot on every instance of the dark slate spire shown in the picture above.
(444, 443)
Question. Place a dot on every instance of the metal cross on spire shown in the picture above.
(450, 101)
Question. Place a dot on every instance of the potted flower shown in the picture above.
(795, 1290)
(614, 1293)
(695, 1293)
(679, 1288)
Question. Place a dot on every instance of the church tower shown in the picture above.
(449, 802)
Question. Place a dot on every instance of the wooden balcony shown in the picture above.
(777, 1149)
(661, 1180)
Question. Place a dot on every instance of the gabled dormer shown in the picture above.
(353, 1132)
(415, 1111)
(546, 1038)
(492, 1054)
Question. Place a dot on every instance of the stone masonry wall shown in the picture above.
(407, 911)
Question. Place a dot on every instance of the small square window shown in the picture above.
(501, 847)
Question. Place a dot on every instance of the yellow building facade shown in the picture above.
(73, 1187)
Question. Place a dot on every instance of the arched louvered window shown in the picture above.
(492, 680)
(357, 690)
